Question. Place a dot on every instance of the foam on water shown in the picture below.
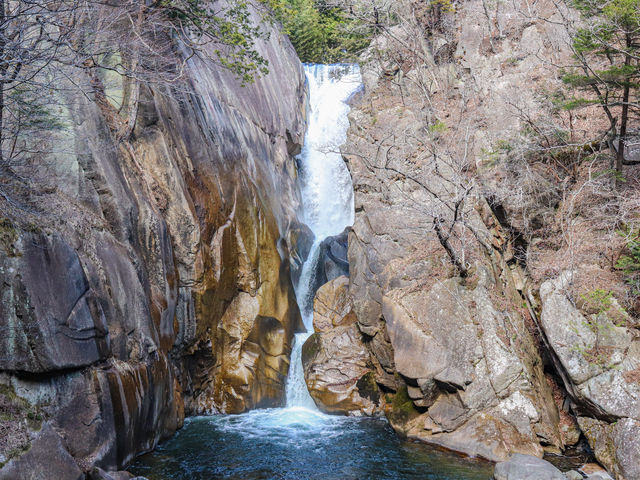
(297, 444)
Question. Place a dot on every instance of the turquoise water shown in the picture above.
(299, 444)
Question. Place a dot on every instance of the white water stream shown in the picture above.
(327, 193)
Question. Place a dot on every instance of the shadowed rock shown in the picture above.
(47, 458)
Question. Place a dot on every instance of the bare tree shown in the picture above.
(50, 51)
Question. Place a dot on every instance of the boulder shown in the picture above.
(600, 476)
(46, 459)
(482, 397)
(573, 475)
(333, 259)
(598, 356)
(338, 372)
(300, 242)
(593, 470)
(526, 467)
(333, 255)
(615, 445)
(332, 305)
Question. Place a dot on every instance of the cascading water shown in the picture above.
(327, 192)
(299, 442)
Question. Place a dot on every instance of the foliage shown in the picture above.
(231, 28)
(323, 32)
(607, 48)
(598, 300)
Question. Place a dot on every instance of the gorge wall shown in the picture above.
(150, 278)
(511, 356)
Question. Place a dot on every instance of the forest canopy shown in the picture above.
(323, 31)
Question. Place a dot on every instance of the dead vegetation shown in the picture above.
(17, 420)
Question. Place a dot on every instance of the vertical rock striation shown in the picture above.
(154, 278)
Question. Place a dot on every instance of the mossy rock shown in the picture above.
(402, 407)
(18, 418)
(368, 388)
(8, 238)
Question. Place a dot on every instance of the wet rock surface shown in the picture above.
(156, 281)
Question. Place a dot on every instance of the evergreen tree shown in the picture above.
(323, 32)
(607, 47)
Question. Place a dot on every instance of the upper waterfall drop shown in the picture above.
(327, 192)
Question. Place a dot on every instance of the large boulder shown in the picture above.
(339, 373)
(332, 305)
(598, 355)
(526, 467)
(339, 369)
(476, 391)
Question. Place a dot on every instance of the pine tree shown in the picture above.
(323, 32)
(607, 47)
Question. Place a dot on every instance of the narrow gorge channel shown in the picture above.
(298, 441)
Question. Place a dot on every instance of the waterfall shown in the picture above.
(327, 192)
(300, 442)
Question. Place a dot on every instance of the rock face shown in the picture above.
(458, 356)
(473, 368)
(154, 278)
(47, 458)
(481, 356)
(599, 357)
(338, 368)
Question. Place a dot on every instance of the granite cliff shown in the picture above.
(482, 312)
(150, 278)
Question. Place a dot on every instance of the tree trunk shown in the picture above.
(444, 241)
(623, 120)
(3, 73)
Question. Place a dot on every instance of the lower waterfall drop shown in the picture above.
(327, 193)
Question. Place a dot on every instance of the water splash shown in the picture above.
(327, 193)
